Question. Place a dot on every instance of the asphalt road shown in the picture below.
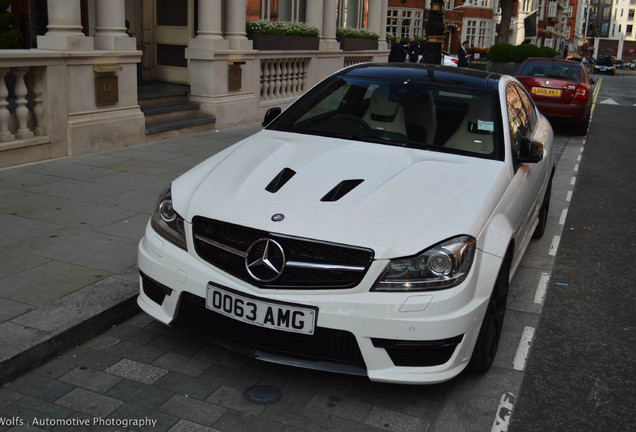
(581, 375)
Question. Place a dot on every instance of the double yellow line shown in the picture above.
(597, 87)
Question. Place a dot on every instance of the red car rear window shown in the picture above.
(548, 69)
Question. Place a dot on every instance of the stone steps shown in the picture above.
(169, 113)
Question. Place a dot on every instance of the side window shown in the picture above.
(518, 122)
(529, 107)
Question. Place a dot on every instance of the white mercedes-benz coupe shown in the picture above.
(371, 228)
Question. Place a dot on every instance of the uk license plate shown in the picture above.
(260, 312)
(546, 91)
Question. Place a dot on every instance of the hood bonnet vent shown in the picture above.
(279, 181)
(343, 188)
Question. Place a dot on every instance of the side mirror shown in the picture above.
(270, 115)
(530, 151)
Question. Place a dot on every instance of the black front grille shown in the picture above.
(225, 246)
(418, 353)
(328, 345)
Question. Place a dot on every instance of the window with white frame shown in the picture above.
(478, 32)
(570, 11)
(417, 23)
(552, 8)
(405, 29)
(392, 22)
(404, 23)
(527, 5)
(477, 3)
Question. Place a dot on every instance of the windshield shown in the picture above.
(548, 69)
(407, 114)
(605, 60)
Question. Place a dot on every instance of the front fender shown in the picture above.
(497, 235)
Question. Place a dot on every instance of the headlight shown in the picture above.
(167, 222)
(443, 266)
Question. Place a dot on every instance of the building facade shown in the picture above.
(73, 89)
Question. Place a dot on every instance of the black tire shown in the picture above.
(492, 325)
(543, 213)
(581, 128)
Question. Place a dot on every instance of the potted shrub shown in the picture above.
(10, 38)
(506, 58)
(357, 39)
(282, 35)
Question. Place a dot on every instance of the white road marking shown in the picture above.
(573, 180)
(554, 246)
(576, 168)
(504, 412)
(519, 362)
(564, 213)
(542, 287)
(568, 196)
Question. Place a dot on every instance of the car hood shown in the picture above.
(394, 200)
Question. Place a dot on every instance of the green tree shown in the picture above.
(506, 16)
(9, 36)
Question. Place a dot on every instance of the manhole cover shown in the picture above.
(262, 394)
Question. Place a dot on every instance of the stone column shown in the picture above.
(314, 14)
(110, 28)
(382, 44)
(235, 16)
(209, 20)
(328, 37)
(65, 28)
(377, 21)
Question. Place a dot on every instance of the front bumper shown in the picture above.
(390, 337)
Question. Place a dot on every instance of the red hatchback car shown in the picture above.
(560, 88)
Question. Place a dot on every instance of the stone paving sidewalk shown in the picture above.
(142, 371)
(68, 240)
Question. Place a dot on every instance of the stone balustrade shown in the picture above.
(48, 105)
(21, 104)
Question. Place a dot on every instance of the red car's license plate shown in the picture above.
(546, 91)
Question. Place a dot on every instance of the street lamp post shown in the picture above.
(435, 33)
(587, 17)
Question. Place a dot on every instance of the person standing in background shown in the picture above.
(398, 53)
(462, 55)
(414, 51)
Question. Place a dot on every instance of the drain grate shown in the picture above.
(262, 394)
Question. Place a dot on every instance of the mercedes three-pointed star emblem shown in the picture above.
(265, 260)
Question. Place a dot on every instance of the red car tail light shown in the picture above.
(581, 92)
